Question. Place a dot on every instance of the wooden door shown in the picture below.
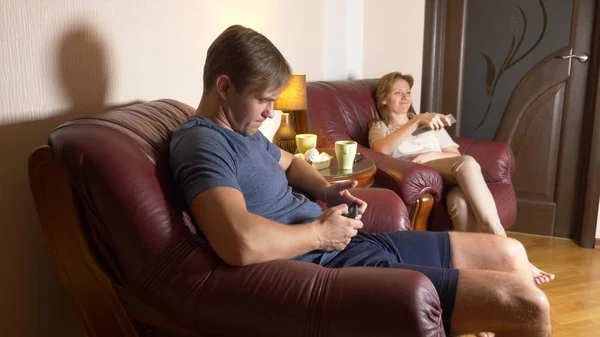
(507, 82)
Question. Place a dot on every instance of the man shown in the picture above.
(237, 187)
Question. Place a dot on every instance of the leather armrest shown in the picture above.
(386, 212)
(408, 179)
(496, 159)
(292, 298)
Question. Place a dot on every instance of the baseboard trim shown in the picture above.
(597, 243)
(538, 235)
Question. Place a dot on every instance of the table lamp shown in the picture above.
(293, 98)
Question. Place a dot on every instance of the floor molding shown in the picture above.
(597, 245)
(539, 235)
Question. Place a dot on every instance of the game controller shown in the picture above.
(352, 212)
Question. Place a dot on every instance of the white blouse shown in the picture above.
(412, 145)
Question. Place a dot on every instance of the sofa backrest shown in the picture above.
(341, 110)
(119, 169)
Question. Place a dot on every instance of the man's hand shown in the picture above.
(337, 194)
(334, 230)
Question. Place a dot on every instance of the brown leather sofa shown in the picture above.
(342, 110)
(128, 257)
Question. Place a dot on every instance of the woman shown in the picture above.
(470, 204)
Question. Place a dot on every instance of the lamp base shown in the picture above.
(285, 136)
(288, 145)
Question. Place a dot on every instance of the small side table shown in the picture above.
(363, 171)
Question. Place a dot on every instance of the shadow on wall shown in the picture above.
(34, 302)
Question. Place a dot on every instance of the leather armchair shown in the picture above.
(128, 256)
(342, 110)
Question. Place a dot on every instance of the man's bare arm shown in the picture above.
(241, 238)
(302, 176)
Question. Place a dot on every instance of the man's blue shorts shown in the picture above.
(425, 252)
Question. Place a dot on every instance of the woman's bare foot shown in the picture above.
(540, 276)
(486, 334)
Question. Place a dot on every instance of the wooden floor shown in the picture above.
(575, 293)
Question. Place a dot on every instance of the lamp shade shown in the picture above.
(294, 95)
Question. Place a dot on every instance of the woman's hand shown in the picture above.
(432, 120)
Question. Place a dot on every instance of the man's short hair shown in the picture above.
(248, 58)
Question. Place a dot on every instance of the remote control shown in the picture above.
(423, 129)
(352, 212)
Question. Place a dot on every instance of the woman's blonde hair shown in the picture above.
(384, 85)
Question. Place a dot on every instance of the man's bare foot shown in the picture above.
(486, 334)
(540, 276)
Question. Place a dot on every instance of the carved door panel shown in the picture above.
(531, 126)
(517, 89)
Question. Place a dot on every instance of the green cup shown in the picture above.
(305, 142)
(345, 151)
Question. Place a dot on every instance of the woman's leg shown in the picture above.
(463, 219)
(466, 172)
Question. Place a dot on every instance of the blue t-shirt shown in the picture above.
(204, 155)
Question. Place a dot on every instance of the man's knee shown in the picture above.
(531, 307)
(514, 250)
(513, 255)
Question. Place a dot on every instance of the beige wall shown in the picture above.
(66, 58)
(393, 37)
(61, 59)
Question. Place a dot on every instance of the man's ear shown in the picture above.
(224, 86)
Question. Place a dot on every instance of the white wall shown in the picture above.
(62, 59)
(393, 40)
(343, 42)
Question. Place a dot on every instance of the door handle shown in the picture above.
(583, 58)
